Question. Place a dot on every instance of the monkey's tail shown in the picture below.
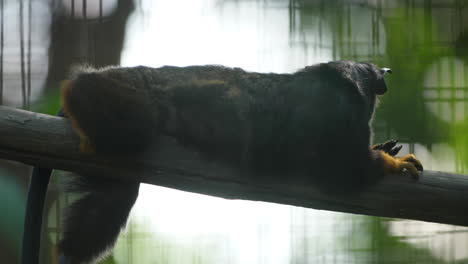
(94, 221)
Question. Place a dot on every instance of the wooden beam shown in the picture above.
(48, 141)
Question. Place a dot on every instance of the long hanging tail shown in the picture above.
(94, 221)
(111, 116)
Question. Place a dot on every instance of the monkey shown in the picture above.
(307, 127)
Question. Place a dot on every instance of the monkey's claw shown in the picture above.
(390, 147)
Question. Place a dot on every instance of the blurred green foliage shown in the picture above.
(12, 203)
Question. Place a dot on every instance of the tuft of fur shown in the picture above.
(112, 117)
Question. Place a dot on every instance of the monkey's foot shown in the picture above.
(388, 147)
(393, 165)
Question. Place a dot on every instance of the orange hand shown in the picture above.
(394, 165)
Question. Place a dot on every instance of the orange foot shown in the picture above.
(392, 164)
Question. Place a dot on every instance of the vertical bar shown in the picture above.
(84, 9)
(465, 93)
(72, 9)
(452, 88)
(374, 26)
(86, 39)
(21, 25)
(379, 16)
(439, 98)
(335, 35)
(428, 22)
(320, 25)
(29, 50)
(349, 43)
(2, 42)
(100, 11)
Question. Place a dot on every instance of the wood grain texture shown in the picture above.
(48, 141)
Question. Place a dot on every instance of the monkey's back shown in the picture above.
(262, 121)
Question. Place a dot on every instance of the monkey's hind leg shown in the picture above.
(85, 144)
(109, 115)
(93, 222)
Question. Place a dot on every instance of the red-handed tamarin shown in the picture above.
(311, 126)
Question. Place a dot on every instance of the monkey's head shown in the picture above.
(367, 78)
(370, 77)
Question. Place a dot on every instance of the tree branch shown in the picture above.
(48, 141)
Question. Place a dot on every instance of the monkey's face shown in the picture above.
(370, 78)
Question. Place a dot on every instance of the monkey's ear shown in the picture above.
(384, 71)
(380, 85)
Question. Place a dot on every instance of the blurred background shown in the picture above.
(426, 108)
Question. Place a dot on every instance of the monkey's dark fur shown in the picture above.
(310, 127)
